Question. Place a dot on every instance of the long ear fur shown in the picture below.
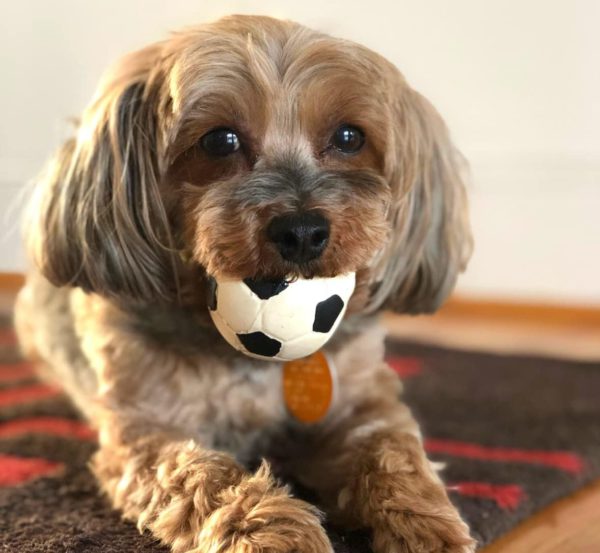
(97, 219)
(431, 239)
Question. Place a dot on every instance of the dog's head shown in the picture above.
(255, 147)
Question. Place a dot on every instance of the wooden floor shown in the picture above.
(571, 525)
(510, 328)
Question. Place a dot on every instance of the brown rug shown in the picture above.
(516, 433)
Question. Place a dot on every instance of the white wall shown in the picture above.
(518, 82)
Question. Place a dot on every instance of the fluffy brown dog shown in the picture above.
(189, 152)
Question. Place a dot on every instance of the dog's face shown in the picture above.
(279, 162)
(254, 147)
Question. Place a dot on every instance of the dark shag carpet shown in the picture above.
(515, 433)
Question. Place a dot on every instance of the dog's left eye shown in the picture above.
(220, 142)
(348, 139)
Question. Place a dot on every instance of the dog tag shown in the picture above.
(308, 386)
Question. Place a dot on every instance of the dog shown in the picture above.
(188, 152)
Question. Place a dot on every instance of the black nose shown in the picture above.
(299, 237)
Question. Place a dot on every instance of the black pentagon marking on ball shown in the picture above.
(266, 288)
(211, 293)
(327, 312)
(260, 344)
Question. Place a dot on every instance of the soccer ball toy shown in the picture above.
(279, 319)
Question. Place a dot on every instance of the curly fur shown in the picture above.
(131, 215)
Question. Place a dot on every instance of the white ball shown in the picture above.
(278, 319)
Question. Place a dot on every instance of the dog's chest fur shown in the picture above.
(169, 368)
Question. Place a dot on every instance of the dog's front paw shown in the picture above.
(401, 498)
(409, 532)
(258, 516)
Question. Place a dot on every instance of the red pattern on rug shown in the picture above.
(19, 470)
(24, 394)
(14, 372)
(405, 367)
(505, 496)
(52, 426)
(563, 460)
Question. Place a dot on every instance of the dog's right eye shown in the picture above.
(220, 142)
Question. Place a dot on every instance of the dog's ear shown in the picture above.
(430, 242)
(97, 219)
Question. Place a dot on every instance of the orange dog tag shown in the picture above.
(308, 387)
